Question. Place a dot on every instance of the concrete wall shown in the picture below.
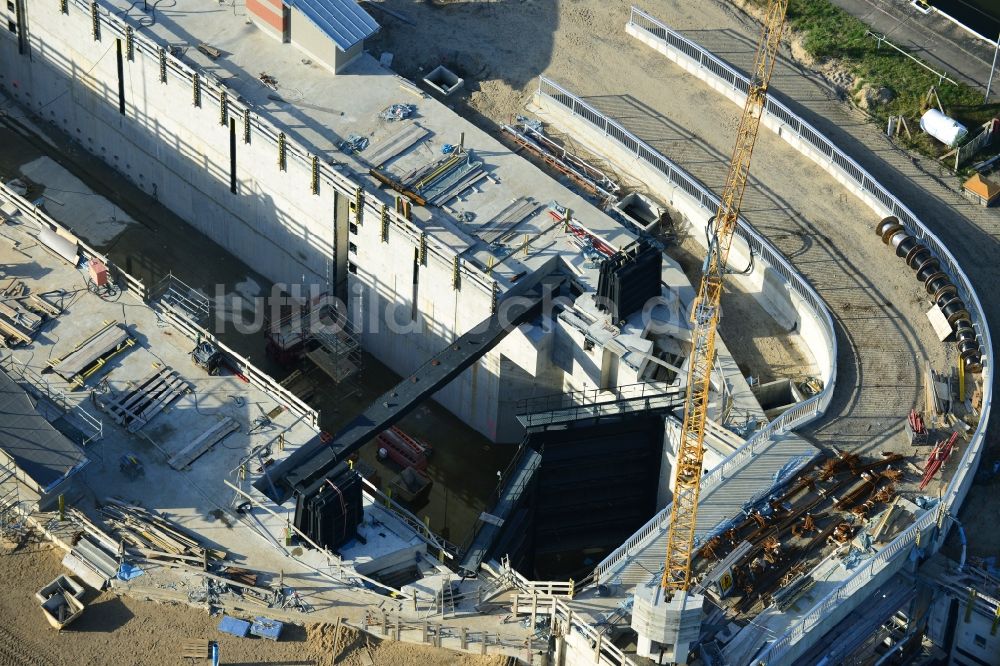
(318, 45)
(290, 24)
(312, 40)
(972, 641)
(178, 152)
(172, 149)
(269, 16)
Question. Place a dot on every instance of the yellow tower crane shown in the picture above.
(705, 312)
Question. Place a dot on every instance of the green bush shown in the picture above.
(829, 33)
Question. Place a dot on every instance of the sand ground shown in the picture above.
(120, 630)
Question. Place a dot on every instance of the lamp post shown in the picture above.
(986, 99)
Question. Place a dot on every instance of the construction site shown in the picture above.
(479, 332)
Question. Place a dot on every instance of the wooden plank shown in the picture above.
(90, 351)
(12, 330)
(119, 405)
(173, 391)
(395, 144)
(21, 316)
(143, 389)
(203, 443)
(43, 305)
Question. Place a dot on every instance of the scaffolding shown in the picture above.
(337, 352)
(175, 295)
(11, 518)
(321, 333)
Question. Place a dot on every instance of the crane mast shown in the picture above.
(705, 312)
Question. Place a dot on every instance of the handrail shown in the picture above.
(446, 549)
(557, 401)
(766, 252)
(881, 200)
(40, 218)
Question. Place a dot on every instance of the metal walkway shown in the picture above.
(598, 404)
(518, 477)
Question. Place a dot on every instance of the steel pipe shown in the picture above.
(887, 227)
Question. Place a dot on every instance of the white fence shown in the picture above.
(767, 253)
(715, 71)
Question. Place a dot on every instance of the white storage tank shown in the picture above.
(946, 130)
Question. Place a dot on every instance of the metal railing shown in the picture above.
(181, 320)
(515, 491)
(30, 212)
(444, 550)
(41, 387)
(597, 403)
(557, 401)
(708, 66)
(765, 252)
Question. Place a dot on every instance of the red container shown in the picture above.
(400, 448)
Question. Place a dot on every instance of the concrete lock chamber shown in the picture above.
(938, 285)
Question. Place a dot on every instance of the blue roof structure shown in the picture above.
(343, 20)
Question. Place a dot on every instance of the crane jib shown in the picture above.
(705, 312)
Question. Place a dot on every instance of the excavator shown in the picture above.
(705, 313)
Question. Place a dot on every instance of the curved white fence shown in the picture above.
(766, 253)
(811, 142)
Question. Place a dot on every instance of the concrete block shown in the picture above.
(444, 80)
(666, 627)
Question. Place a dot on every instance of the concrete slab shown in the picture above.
(69, 201)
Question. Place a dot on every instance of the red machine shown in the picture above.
(395, 445)
(98, 272)
(99, 280)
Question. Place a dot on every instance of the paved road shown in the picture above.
(936, 40)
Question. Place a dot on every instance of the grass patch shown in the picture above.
(829, 33)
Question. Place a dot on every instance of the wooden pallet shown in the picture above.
(137, 406)
(196, 649)
(203, 443)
